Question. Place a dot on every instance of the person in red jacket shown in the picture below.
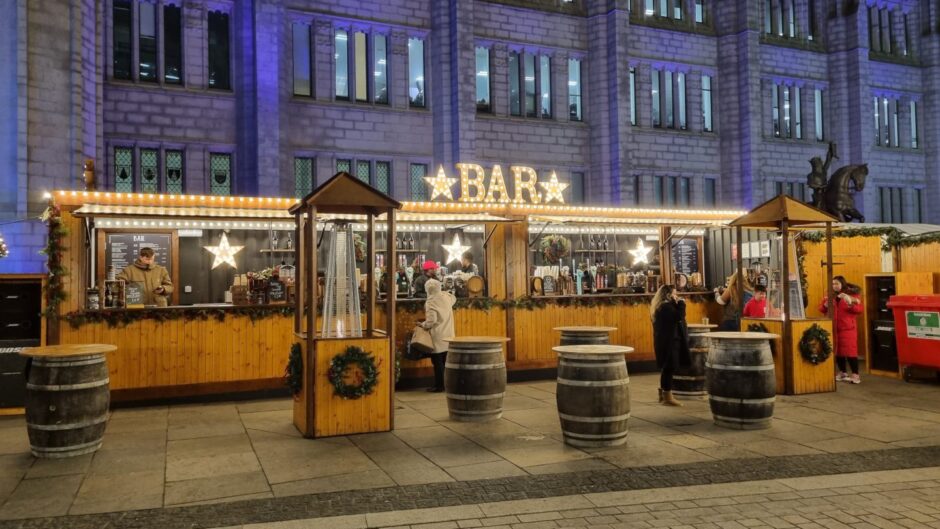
(756, 307)
(846, 307)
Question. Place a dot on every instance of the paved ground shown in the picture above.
(236, 463)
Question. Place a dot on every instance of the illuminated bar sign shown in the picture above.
(475, 187)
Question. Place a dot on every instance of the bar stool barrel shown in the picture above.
(475, 378)
(593, 394)
(67, 399)
(742, 386)
(689, 381)
(585, 335)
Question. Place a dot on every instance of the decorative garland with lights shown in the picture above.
(893, 237)
(815, 345)
(367, 377)
(54, 290)
(554, 248)
(123, 318)
(294, 372)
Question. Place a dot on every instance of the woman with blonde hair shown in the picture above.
(670, 339)
(730, 298)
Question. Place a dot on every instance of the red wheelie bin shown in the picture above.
(917, 330)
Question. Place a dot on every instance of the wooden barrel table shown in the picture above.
(741, 381)
(475, 378)
(593, 394)
(67, 398)
(585, 335)
(689, 381)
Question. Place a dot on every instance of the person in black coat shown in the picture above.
(670, 339)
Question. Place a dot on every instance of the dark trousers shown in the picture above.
(438, 359)
(665, 378)
(853, 363)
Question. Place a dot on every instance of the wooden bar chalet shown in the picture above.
(202, 346)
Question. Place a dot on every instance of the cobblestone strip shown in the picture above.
(470, 493)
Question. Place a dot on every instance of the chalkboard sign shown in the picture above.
(133, 294)
(277, 293)
(122, 249)
(685, 257)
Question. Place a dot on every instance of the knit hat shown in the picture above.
(429, 265)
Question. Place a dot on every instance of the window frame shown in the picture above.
(424, 73)
(308, 67)
(488, 107)
(228, 51)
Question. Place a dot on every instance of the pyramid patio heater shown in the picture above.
(348, 362)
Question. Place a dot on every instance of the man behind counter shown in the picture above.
(153, 278)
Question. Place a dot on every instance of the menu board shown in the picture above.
(122, 249)
(685, 257)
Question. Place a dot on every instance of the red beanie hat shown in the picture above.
(429, 265)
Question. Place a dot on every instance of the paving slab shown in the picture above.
(119, 492)
(368, 479)
(41, 497)
(203, 489)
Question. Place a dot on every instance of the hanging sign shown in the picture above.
(476, 187)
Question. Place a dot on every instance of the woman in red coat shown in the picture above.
(847, 306)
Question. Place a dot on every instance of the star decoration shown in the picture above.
(641, 253)
(454, 250)
(223, 252)
(440, 184)
(553, 189)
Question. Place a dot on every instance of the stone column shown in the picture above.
(929, 112)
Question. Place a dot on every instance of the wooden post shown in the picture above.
(829, 293)
(299, 278)
(739, 282)
(370, 268)
(665, 256)
(787, 323)
(390, 306)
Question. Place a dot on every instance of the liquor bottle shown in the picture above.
(410, 244)
(606, 242)
(290, 242)
(592, 245)
(108, 296)
(397, 242)
(273, 240)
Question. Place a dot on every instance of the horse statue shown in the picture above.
(838, 195)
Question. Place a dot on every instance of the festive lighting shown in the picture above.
(553, 189)
(223, 253)
(497, 185)
(526, 185)
(440, 184)
(454, 250)
(4, 250)
(476, 182)
(641, 253)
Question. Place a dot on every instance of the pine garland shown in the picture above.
(815, 345)
(123, 318)
(54, 290)
(366, 379)
(893, 237)
(294, 372)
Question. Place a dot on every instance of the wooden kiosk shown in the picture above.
(794, 374)
(318, 410)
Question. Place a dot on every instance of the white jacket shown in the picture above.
(439, 315)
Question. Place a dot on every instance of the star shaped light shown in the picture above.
(454, 250)
(553, 189)
(440, 184)
(223, 252)
(641, 253)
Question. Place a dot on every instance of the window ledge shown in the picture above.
(684, 25)
(531, 121)
(898, 150)
(796, 43)
(904, 60)
(683, 132)
(125, 83)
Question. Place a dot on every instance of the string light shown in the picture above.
(553, 189)
(454, 250)
(4, 250)
(466, 182)
(526, 185)
(497, 185)
(440, 184)
(224, 253)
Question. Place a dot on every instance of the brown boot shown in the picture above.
(669, 400)
(660, 395)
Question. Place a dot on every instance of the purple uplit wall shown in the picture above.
(626, 154)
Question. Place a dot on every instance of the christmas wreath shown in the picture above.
(760, 327)
(365, 377)
(293, 373)
(815, 345)
(554, 248)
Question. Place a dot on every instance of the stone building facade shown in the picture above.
(685, 103)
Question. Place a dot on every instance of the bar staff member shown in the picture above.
(153, 278)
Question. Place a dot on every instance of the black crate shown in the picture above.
(884, 351)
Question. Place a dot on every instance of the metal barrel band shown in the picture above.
(594, 383)
(739, 419)
(685, 377)
(474, 367)
(769, 400)
(70, 426)
(567, 363)
(594, 436)
(580, 418)
(489, 396)
(579, 356)
(67, 387)
(68, 449)
(73, 362)
(729, 367)
(493, 411)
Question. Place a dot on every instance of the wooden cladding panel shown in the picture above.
(152, 353)
(915, 283)
(807, 377)
(923, 258)
(337, 416)
(774, 327)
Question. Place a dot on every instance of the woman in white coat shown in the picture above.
(439, 321)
